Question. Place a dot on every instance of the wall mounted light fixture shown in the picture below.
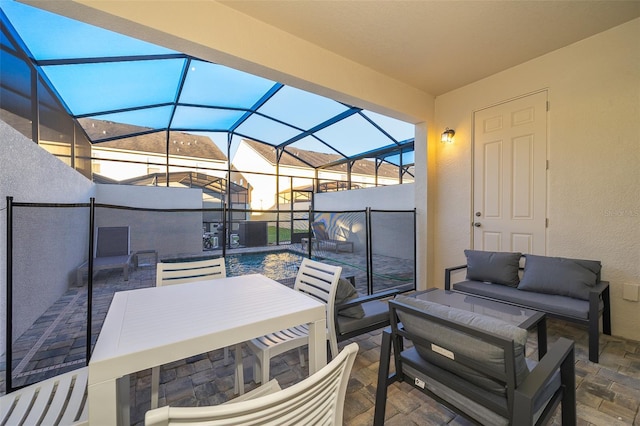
(447, 135)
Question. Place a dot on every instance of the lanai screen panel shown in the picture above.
(53, 37)
(112, 86)
(292, 106)
(216, 85)
(204, 119)
(109, 126)
(138, 87)
(354, 135)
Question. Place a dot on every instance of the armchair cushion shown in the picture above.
(456, 343)
(475, 410)
(344, 293)
(560, 276)
(445, 389)
(375, 312)
(494, 267)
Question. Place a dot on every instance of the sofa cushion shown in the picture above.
(456, 343)
(493, 267)
(551, 303)
(560, 276)
(344, 293)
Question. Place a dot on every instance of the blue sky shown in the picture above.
(214, 99)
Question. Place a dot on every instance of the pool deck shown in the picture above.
(56, 342)
(388, 272)
(608, 393)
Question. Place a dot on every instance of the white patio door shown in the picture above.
(509, 178)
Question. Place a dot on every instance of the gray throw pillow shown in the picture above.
(344, 293)
(561, 276)
(456, 343)
(494, 267)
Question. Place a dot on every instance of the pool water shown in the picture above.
(275, 265)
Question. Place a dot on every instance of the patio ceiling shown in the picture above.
(143, 88)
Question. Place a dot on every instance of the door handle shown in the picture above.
(477, 224)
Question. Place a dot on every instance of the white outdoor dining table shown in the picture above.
(154, 326)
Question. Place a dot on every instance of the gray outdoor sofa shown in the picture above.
(569, 289)
(475, 365)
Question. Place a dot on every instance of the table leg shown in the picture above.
(317, 345)
(238, 388)
(542, 337)
(124, 417)
(109, 402)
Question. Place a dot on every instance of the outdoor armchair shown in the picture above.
(475, 365)
(373, 314)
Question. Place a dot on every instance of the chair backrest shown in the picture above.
(320, 281)
(112, 241)
(169, 273)
(485, 352)
(59, 400)
(320, 231)
(318, 399)
(477, 364)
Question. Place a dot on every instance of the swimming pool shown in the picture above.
(276, 265)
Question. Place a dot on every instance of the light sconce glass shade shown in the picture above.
(447, 135)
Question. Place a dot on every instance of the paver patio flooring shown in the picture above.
(608, 393)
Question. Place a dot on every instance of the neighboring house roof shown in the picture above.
(183, 144)
(363, 167)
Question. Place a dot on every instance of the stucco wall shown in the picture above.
(593, 182)
(393, 197)
(48, 243)
(391, 231)
(169, 233)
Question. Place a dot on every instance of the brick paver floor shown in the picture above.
(608, 393)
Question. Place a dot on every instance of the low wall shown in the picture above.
(391, 232)
(48, 243)
(168, 233)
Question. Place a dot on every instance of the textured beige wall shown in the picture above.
(48, 244)
(593, 183)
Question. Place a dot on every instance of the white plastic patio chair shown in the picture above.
(318, 400)
(268, 388)
(60, 400)
(317, 280)
(170, 273)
